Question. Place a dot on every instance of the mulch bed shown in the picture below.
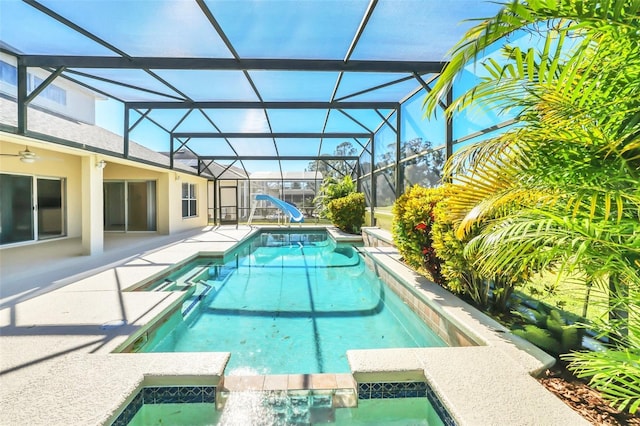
(586, 401)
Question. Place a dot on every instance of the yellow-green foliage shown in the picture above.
(457, 265)
(347, 213)
(457, 270)
(332, 189)
(412, 221)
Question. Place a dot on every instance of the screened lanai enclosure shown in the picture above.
(257, 96)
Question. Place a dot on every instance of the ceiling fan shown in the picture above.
(25, 155)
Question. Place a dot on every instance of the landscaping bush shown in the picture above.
(347, 213)
(457, 270)
(332, 189)
(413, 219)
(457, 264)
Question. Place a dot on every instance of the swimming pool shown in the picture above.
(288, 303)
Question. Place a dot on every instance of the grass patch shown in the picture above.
(570, 294)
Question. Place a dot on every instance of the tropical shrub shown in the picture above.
(347, 213)
(459, 273)
(413, 218)
(562, 187)
(332, 189)
(487, 291)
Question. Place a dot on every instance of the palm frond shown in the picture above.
(615, 373)
(561, 16)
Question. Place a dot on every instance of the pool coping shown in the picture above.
(56, 372)
(481, 329)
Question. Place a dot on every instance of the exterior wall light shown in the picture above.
(101, 164)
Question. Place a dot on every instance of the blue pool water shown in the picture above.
(291, 304)
(257, 410)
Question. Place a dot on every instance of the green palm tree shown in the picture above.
(561, 188)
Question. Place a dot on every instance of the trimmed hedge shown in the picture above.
(412, 221)
(347, 213)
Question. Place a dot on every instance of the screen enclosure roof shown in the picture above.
(244, 79)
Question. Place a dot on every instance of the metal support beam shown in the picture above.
(263, 105)
(214, 23)
(364, 147)
(339, 172)
(449, 126)
(184, 117)
(89, 148)
(358, 177)
(225, 169)
(236, 56)
(22, 99)
(294, 135)
(425, 86)
(183, 144)
(171, 151)
(216, 185)
(35, 92)
(139, 120)
(484, 131)
(373, 183)
(355, 121)
(398, 172)
(386, 120)
(275, 157)
(372, 89)
(104, 93)
(233, 64)
(125, 148)
(121, 84)
(354, 42)
(354, 168)
(365, 20)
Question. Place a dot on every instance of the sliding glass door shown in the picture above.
(141, 206)
(114, 206)
(16, 209)
(130, 206)
(50, 208)
(31, 208)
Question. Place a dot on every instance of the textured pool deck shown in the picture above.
(62, 315)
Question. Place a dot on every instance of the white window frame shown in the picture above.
(190, 197)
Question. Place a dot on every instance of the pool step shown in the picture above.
(338, 389)
(164, 285)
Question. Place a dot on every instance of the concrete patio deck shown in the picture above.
(62, 315)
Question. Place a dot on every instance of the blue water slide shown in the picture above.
(295, 214)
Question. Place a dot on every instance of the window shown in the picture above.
(9, 75)
(189, 202)
(51, 92)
